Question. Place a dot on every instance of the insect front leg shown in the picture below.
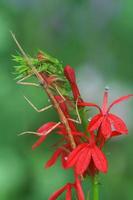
(40, 134)
(78, 121)
(35, 108)
(20, 82)
(60, 93)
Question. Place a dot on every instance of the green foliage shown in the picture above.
(43, 63)
(49, 65)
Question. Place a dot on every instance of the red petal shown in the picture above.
(62, 129)
(73, 156)
(99, 159)
(72, 125)
(77, 133)
(123, 98)
(58, 193)
(70, 74)
(100, 140)
(69, 192)
(83, 160)
(76, 92)
(39, 141)
(46, 127)
(106, 128)
(118, 124)
(105, 101)
(79, 190)
(115, 133)
(95, 122)
(89, 104)
(53, 159)
(62, 104)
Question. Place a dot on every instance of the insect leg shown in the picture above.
(39, 134)
(35, 108)
(20, 82)
(60, 93)
(78, 121)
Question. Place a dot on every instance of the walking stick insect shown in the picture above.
(58, 86)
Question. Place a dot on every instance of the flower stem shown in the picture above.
(95, 187)
(88, 196)
(84, 120)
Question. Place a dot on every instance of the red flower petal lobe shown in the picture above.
(106, 128)
(79, 190)
(62, 104)
(70, 75)
(123, 98)
(83, 161)
(69, 192)
(38, 142)
(57, 193)
(118, 124)
(73, 156)
(99, 159)
(89, 104)
(95, 122)
(115, 133)
(46, 127)
(53, 159)
(105, 101)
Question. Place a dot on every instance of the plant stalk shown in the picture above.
(95, 188)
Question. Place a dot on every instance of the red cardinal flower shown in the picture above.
(68, 188)
(106, 121)
(81, 157)
(70, 75)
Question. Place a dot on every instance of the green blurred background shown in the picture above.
(96, 38)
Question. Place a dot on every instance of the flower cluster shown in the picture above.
(80, 150)
(82, 142)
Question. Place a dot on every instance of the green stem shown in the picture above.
(95, 184)
(84, 120)
(95, 187)
(88, 196)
